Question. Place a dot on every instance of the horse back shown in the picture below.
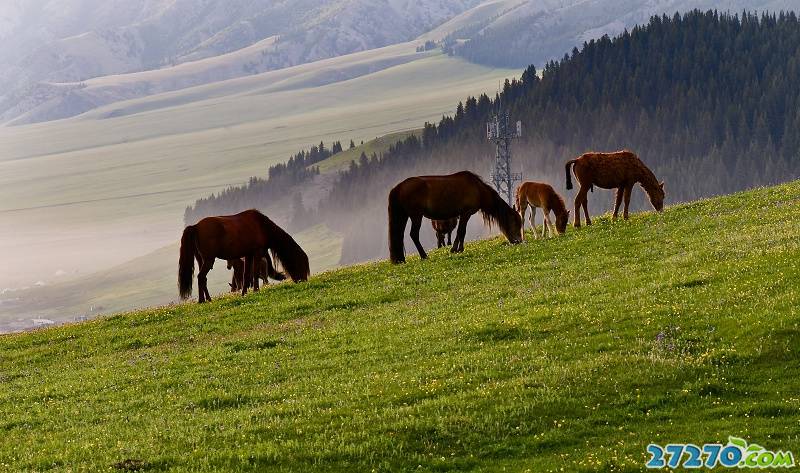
(609, 170)
(538, 194)
(439, 197)
(231, 236)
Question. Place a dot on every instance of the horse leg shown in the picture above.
(533, 222)
(547, 224)
(256, 272)
(586, 208)
(263, 270)
(618, 202)
(248, 273)
(579, 198)
(450, 238)
(439, 239)
(458, 245)
(238, 277)
(627, 196)
(416, 224)
(202, 280)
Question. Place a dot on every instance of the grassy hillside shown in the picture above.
(570, 354)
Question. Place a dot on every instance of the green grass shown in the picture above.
(569, 354)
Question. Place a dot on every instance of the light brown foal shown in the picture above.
(543, 196)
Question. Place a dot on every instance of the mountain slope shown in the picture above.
(161, 33)
(567, 354)
(536, 31)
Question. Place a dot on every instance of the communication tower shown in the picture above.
(500, 132)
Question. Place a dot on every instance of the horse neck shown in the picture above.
(647, 179)
(276, 236)
(557, 204)
(491, 203)
(495, 208)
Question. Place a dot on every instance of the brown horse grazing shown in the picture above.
(248, 235)
(444, 228)
(621, 171)
(265, 271)
(543, 196)
(444, 197)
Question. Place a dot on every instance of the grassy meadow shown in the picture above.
(567, 354)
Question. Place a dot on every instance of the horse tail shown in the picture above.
(567, 168)
(186, 261)
(397, 225)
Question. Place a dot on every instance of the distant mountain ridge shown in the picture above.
(557, 26)
(53, 48)
(50, 42)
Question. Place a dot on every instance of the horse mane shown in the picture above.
(285, 250)
(496, 211)
(557, 202)
(648, 178)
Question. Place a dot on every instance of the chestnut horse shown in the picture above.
(248, 235)
(621, 171)
(444, 197)
(265, 271)
(542, 196)
(444, 228)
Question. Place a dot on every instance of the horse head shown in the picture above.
(511, 226)
(561, 222)
(656, 195)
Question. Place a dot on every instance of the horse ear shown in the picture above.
(662, 185)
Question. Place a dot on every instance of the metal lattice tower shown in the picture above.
(500, 132)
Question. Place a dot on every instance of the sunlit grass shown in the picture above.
(570, 353)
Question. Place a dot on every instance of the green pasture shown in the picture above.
(567, 354)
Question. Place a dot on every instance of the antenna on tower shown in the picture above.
(499, 131)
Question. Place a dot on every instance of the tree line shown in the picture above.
(258, 192)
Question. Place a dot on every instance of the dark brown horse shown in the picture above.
(621, 170)
(265, 271)
(443, 197)
(444, 228)
(248, 235)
